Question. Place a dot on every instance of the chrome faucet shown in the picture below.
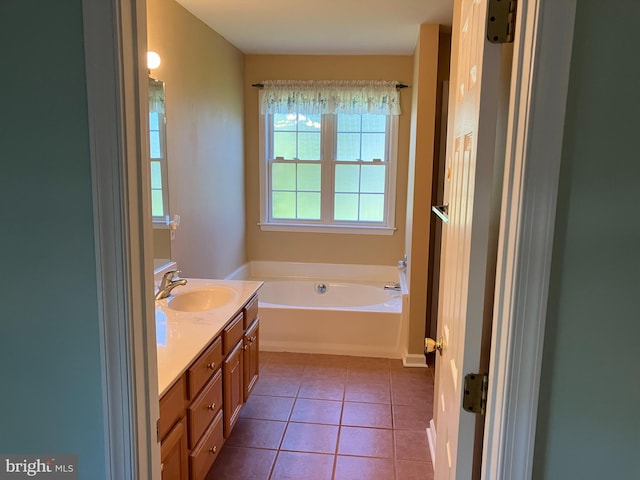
(392, 286)
(169, 281)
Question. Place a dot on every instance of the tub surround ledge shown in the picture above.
(182, 336)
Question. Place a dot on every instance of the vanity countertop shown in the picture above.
(182, 336)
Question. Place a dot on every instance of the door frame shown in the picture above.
(539, 87)
(115, 44)
(115, 47)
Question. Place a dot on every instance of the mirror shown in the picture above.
(159, 174)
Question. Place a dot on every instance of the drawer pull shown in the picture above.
(211, 406)
(213, 449)
(161, 467)
(211, 366)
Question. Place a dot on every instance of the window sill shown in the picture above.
(311, 228)
(160, 224)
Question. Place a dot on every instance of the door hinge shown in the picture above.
(501, 21)
(158, 430)
(474, 399)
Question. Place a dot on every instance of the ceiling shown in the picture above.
(323, 27)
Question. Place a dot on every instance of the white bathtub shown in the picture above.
(352, 315)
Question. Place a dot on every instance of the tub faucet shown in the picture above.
(168, 283)
(393, 286)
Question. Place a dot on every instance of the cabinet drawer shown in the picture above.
(204, 366)
(232, 334)
(205, 452)
(172, 406)
(250, 311)
(204, 408)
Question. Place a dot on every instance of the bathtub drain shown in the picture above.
(321, 288)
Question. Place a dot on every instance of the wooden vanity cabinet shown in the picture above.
(201, 408)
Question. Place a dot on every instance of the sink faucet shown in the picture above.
(168, 283)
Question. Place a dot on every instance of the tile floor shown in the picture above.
(326, 417)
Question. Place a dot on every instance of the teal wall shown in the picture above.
(50, 369)
(589, 416)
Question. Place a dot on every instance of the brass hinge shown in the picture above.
(501, 21)
(474, 399)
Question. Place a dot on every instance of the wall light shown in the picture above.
(153, 60)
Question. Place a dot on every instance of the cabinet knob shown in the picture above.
(211, 366)
(211, 406)
(213, 449)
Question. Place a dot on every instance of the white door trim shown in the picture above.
(539, 86)
(115, 58)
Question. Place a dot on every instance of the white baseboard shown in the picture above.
(431, 438)
(328, 349)
(412, 360)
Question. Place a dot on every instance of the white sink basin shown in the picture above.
(201, 299)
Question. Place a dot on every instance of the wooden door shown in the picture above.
(469, 238)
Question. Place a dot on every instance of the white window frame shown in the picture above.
(161, 221)
(326, 224)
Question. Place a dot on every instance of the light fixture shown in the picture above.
(153, 60)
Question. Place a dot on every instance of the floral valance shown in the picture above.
(330, 96)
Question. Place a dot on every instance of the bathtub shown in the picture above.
(332, 309)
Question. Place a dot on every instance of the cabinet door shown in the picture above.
(251, 358)
(173, 453)
(233, 387)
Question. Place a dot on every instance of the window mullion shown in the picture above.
(328, 158)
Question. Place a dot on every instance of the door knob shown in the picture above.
(430, 345)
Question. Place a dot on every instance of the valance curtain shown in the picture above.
(330, 96)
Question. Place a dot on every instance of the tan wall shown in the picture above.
(204, 76)
(323, 247)
(421, 156)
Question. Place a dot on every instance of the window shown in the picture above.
(328, 171)
(157, 152)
